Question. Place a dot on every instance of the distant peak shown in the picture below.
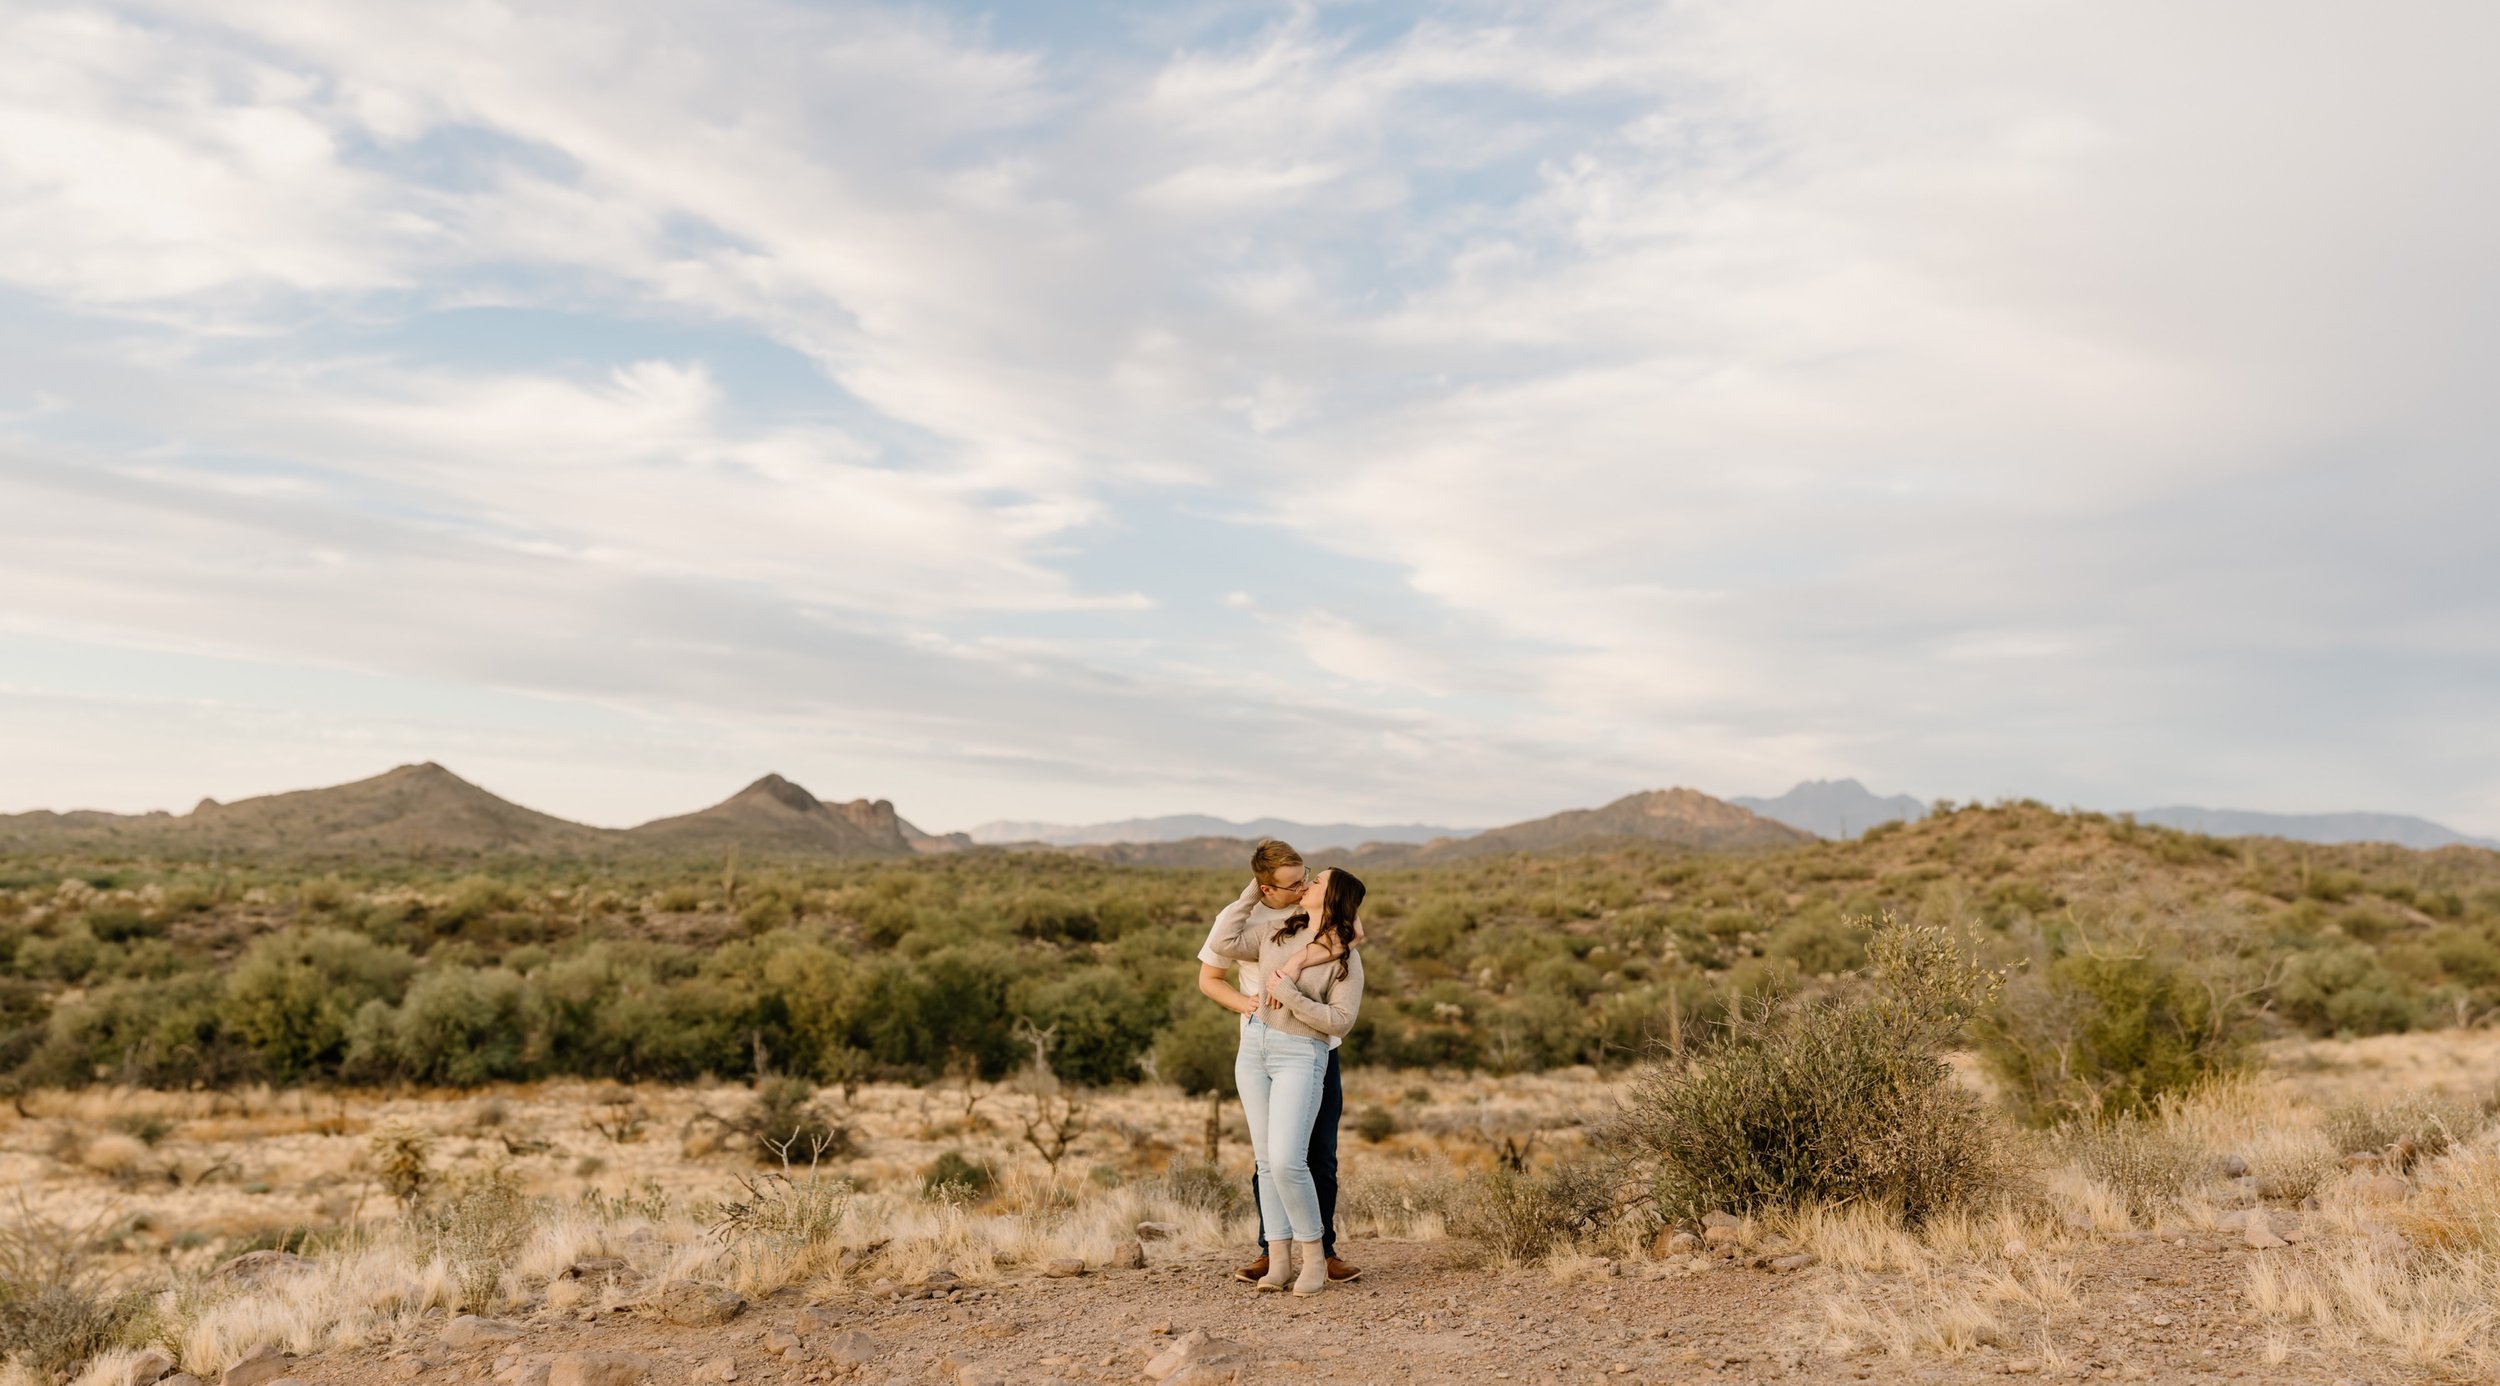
(783, 792)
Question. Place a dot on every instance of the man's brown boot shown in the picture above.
(1340, 1272)
(1253, 1272)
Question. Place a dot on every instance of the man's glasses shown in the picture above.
(1295, 889)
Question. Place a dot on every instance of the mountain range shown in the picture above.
(425, 810)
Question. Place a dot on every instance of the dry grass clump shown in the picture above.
(2411, 1125)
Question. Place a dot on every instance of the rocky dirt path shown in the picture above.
(2147, 1311)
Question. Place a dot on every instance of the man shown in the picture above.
(1282, 880)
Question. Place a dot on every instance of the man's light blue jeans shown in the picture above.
(1280, 1077)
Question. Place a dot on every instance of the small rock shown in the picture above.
(1798, 1262)
(2388, 1245)
(599, 1369)
(252, 1267)
(1715, 1218)
(2233, 1166)
(606, 1268)
(2234, 1221)
(850, 1350)
(2015, 1248)
(695, 1303)
(469, 1330)
(1063, 1269)
(719, 1369)
(1160, 1326)
(258, 1367)
(979, 1374)
(940, 1279)
(1720, 1235)
(779, 1340)
(179, 1379)
(1128, 1256)
(532, 1372)
(2387, 1188)
(816, 1320)
(1158, 1231)
(147, 1368)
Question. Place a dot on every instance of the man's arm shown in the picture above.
(1211, 981)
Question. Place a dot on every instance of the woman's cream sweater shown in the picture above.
(1320, 1003)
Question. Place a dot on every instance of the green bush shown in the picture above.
(2346, 990)
(1376, 1124)
(292, 996)
(1844, 1097)
(1196, 1051)
(2095, 1035)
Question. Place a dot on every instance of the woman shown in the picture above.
(1313, 988)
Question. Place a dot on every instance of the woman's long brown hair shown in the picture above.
(1338, 907)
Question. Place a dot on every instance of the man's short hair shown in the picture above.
(1270, 857)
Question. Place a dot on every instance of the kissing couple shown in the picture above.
(1294, 935)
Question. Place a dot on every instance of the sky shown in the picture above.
(1381, 412)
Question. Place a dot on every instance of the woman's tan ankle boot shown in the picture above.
(1279, 1267)
(1314, 1276)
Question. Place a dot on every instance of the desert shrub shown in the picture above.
(2425, 1124)
(2144, 1160)
(1522, 1215)
(1197, 1184)
(292, 996)
(1844, 1097)
(789, 1127)
(402, 1160)
(1375, 1124)
(476, 1222)
(2099, 1034)
(57, 1306)
(459, 1026)
(954, 1178)
(785, 1212)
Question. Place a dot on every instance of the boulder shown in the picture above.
(1720, 1235)
(1064, 1268)
(253, 1267)
(599, 1369)
(1128, 1256)
(258, 1367)
(470, 1330)
(147, 1368)
(695, 1303)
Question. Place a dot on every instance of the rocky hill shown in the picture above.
(775, 817)
(421, 811)
(411, 810)
(1685, 818)
(1836, 809)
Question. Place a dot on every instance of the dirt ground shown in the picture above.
(2143, 1310)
